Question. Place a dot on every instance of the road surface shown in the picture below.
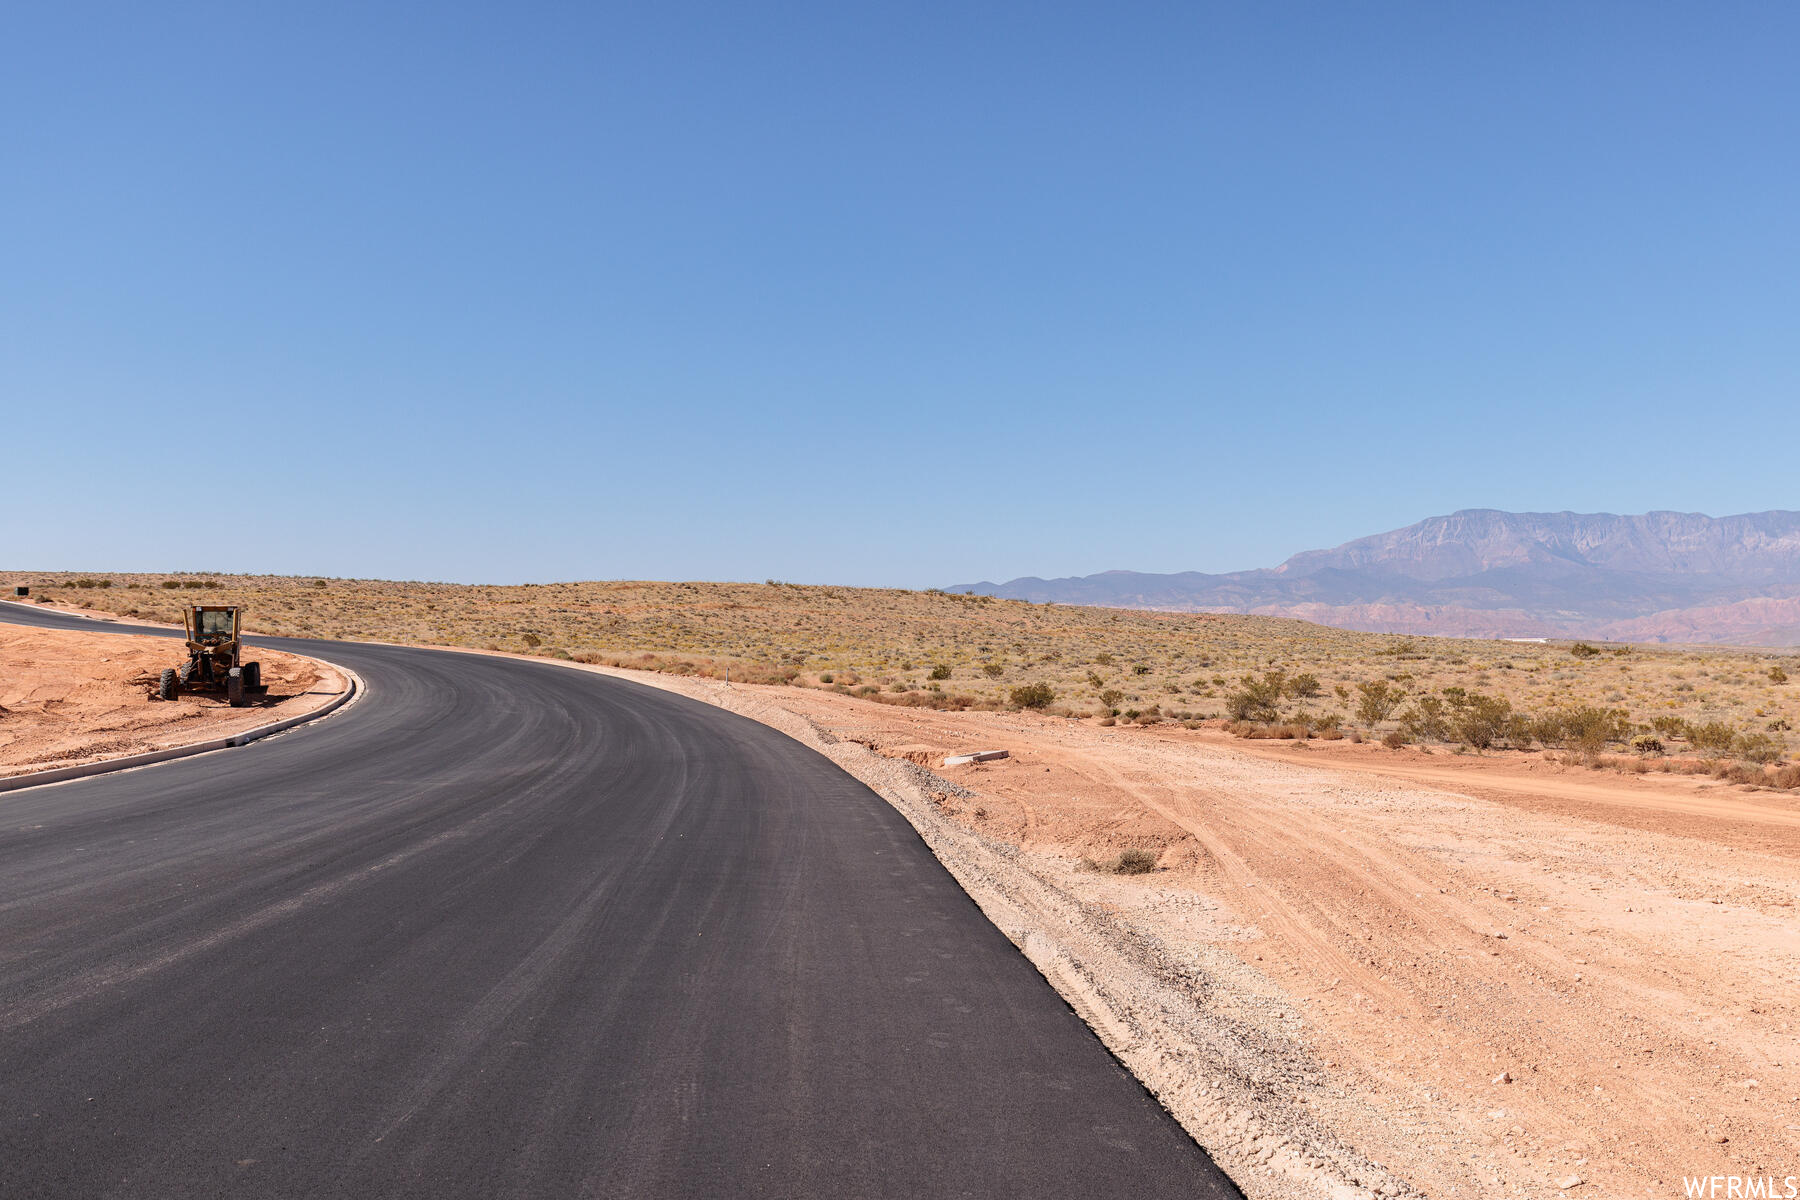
(505, 929)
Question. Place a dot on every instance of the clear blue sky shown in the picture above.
(907, 294)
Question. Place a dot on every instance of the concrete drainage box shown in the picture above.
(957, 760)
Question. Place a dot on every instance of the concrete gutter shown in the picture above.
(354, 688)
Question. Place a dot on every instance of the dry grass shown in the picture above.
(930, 649)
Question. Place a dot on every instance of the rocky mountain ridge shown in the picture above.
(1652, 577)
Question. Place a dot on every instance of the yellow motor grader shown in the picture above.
(215, 658)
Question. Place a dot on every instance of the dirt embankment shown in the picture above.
(71, 697)
(1362, 974)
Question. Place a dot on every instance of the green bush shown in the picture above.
(1258, 699)
(1425, 720)
(1379, 700)
(1033, 695)
(1481, 720)
(940, 671)
(1670, 727)
(1714, 737)
(1585, 728)
(992, 670)
(1757, 748)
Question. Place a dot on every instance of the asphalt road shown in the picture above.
(505, 929)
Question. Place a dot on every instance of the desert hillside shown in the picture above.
(927, 649)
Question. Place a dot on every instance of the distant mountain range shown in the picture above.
(1658, 577)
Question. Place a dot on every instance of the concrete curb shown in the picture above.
(355, 689)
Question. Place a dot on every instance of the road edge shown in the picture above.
(354, 689)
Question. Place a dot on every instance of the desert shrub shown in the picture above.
(1647, 743)
(827, 677)
(1777, 675)
(1585, 728)
(992, 670)
(1739, 773)
(1713, 737)
(940, 671)
(1481, 720)
(1104, 659)
(1258, 699)
(1583, 650)
(1670, 727)
(171, 583)
(1757, 747)
(1033, 695)
(1395, 739)
(1379, 700)
(1112, 697)
(1519, 731)
(1425, 720)
(319, 583)
(1134, 861)
(533, 640)
(1304, 686)
(1327, 723)
(1140, 669)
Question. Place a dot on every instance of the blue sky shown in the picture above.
(912, 294)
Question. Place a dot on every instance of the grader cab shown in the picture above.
(215, 656)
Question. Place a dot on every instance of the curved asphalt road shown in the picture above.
(510, 930)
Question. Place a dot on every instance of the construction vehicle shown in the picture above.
(215, 655)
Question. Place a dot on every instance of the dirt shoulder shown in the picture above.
(1353, 975)
(71, 697)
